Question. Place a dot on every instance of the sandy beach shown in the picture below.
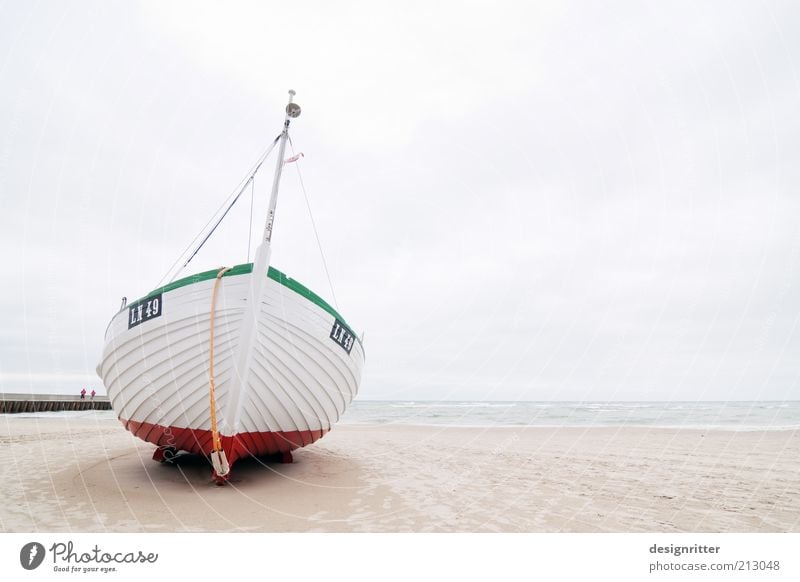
(88, 474)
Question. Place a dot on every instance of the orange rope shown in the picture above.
(212, 387)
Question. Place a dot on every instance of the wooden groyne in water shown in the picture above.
(13, 403)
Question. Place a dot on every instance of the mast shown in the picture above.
(258, 278)
(261, 262)
(292, 111)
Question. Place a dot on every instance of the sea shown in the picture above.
(738, 415)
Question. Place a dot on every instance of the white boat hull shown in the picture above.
(284, 372)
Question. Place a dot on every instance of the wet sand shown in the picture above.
(87, 474)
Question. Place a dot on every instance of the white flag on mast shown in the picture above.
(294, 158)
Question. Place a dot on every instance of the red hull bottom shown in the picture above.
(244, 444)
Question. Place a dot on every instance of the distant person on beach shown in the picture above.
(83, 393)
(93, 393)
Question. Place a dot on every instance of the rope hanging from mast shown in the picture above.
(252, 199)
(296, 158)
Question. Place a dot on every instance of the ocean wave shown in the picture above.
(99, 414)
(693, 427)
(454, 405)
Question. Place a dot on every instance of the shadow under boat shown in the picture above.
(195, 465)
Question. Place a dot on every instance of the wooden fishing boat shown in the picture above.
(233, 362)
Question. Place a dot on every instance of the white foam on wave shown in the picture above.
(99, 414)
(454, 405)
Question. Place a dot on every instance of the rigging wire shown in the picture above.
(213, 228)
(250, 176)
(314, 226)
(250, 230)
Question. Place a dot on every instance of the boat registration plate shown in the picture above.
(144, 310)
(342, 336)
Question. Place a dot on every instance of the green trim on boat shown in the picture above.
(204, 276)
(246, 268)
(301, 289)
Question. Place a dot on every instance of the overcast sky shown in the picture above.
(517, 200)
